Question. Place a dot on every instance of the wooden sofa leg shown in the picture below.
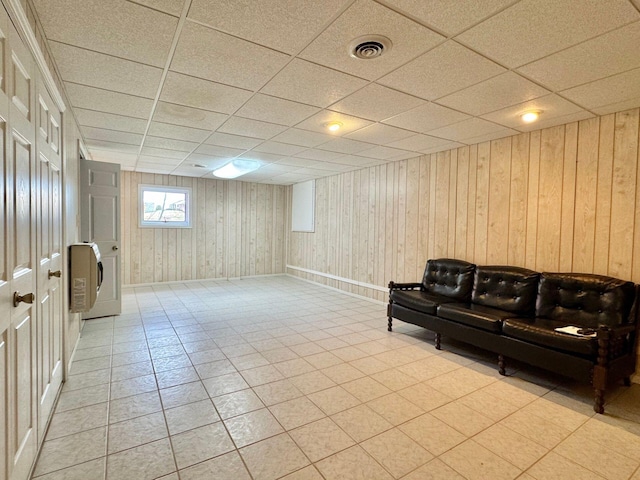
(438, 340)
(501, 365)
(389, 323)
(598, 405)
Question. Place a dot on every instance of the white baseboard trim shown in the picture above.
(361, 297)
(131, 286)
(340, 279)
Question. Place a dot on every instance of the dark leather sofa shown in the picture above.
(515, 312)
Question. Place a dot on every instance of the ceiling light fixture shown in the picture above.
(236, 168)
(333, 126)
(531, 116)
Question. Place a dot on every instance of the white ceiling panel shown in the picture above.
(112, 136)
(275, 110)
(278, 148)
(110, 121)
(493, 94)
(300, 81)
(280, 24)
(177, 132)
(379, 134)
(187, 116)
(474, 127)
(233, 141)
(114, 27)
(166, 161)
(265, 158)
(209, 161)
(107, 101)
(375, 102)
(617, 106)
(489, 136)
(446, 146)
(103, 71)
(112, 146)
(206, 53)
(344, 145)
(365, 17)
(124, 159)
(621, 87)
(426, 117)
(445, 69)
(318, 123)
(321, 155)
(532, 29)
(559, 120)
(219, 151)
(162, 153)
(387, 153)
(189, 171)
(251, 128)
(450, 16)
(151, 167)
(172, 7)
(303, 138)
(612, 53)
(287, 164)
(419, 142)
(169, 144)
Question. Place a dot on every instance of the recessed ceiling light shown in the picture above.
(531, 116)
(333, 126)
(237, 167)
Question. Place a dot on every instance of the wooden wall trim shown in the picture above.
(338, 278)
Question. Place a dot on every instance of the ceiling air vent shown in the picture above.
(369, 47)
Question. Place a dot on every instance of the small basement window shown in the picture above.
(164, 207)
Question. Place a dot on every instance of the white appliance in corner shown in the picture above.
(86, 276)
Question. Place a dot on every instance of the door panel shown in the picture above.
(4, 392)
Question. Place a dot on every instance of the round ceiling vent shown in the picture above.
(369, 47)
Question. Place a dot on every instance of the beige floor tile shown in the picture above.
(424, 396)
(89, 379)
(225, 467)
(82, 397)
(231, 382)
(312, 382)
(215, 369)
(292, 368)
(260, 375)
(393, 358)
(91, 364)
(171, 378)
(433, 434)
(462, 418)
(333, 400)
(511, 446)
(207, 356)
(394, 379)
(183, 394)
(306, 473)
(536, 428)
(296, 412)
(170, 363)
(136, 431)
(636, 476)
(134, 406)
(342, 373)
(490, 406)
(308, 348)
(273, 458)
(237, 403)
(277, 392)
(92, 470)
(323, 360)
(554, 467)
(133, 386)
(475, 462)
(77, 420)
(365, 389)
(70, 450)
(361, 423)
(604, 461)
(199, 444)
(436, 469)
(516, 394)
(145, 462)
(460, 382)
(134, 370)
(321, 439)
(253, 360)
(370, 365)
(352, 464)
(252, 427)
(193, 415)
(558, 414)
(611, 436)
(396, 452)
(395, 408)
(349, 354)
(279, 354)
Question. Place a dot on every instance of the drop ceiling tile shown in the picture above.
(151, 167)
(375, 102)
(279, 148)
(160, 161)
(209, 161)
(91, 118)
(419, 142)
(161, 152)
(612, 53)
(111, 136)
(303, 138)
(169, 144)
(532, 29)
(445, 69)
(103, 71)
(280, 24)
(219, 151)
(493, 94)
(112, 146)
(474, 127)
(323, 155)
(426, 117)
(318, 122)
(107, 101)
(177, 132)
(559, 120)
(195, 92)
(266, 158)
(275, 110)
(618, 88)
(189, 171)
(187, 116)
(357, 161)
(443, 148)
(489, 136)
(379, 134)
(206, 53)
(618, 106)
(172, 7)
(233, 141)
(289, 163)
(365, 17)
(299, 81)
(387, 153)
(450, 16)
(276, 168)
(551, 106)
(124, 159)
(344, 145)
(110, 26)
(251, 128)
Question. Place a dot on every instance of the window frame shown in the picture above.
(142, 223)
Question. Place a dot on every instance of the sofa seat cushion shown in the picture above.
(541, 331)
(421, 301)
(479, 316)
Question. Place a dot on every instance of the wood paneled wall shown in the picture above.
(559, 199)
(238, 230)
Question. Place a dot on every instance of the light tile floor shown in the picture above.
(273, 377)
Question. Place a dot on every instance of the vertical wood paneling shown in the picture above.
(531, 233)
(518, 199)
(482, 202)
(499, 198)
(568, 197)
(453, 189)
(462, 204)
(603, 195)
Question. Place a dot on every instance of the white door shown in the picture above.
(100, 223)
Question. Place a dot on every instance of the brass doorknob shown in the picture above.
(114, 248)
(26, 298)
(57, 273)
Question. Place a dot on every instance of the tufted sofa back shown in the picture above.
(584, 299)
(512, 289)
(449, 277)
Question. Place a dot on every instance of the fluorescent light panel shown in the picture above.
(236, 168)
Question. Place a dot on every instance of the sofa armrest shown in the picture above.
(615, 342)
(405, 286)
